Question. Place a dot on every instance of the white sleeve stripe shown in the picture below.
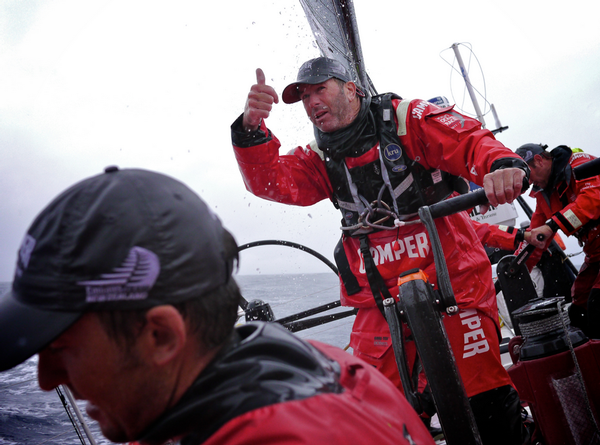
(401, 113)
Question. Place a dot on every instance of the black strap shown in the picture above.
(562, 196)
(341, 260)
(378, 287)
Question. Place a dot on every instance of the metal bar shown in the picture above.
(88, 433)
(441, 268)
(393, 320)
(351, 25)
(554, 247)
(309, 312)
(465, 75)
(290, 244)
(296, 326)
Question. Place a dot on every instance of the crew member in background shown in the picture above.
(124, 288)
(381, 156)
(573, 206)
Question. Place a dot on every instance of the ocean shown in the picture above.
(31, 416)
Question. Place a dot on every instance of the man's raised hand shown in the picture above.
(259, 103)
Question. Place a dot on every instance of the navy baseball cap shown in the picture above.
(316, 71)
(528, 151)
(125, 239)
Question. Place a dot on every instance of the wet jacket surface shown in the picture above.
(499, 236)
(437, 139)
(269, 387)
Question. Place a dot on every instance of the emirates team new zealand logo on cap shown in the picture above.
(392, 152)
(25, 252)
(131, 281)
(528, 156)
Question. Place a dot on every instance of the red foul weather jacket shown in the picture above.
(269, 387)
(573, 205)
(499, 236)
(437, 138)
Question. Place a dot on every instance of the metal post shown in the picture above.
(496, 119)
(78, 414)
(465, 75)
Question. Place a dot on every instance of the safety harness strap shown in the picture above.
(348, 279)
(378, 287)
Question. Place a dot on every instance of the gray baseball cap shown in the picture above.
(528, 151)
(125, 239)
(316, 71)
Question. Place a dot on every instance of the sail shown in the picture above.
(334, 26)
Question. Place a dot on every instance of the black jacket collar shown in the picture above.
(263, 364)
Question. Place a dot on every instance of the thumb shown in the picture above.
(260, 77)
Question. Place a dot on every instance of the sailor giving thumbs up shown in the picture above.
(259, 103)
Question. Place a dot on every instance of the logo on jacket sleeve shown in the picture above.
(417, 111)
(451, 119)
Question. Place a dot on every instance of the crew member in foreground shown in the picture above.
(573, 206)
(378, 156)
(124, 288)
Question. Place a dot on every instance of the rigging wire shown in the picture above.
(70, 415)
(483, 96)
(67, 407)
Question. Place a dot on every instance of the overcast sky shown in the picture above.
(156, 85)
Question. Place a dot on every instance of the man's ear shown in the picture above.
(350, 89)
(164, 334)
(537, 159)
